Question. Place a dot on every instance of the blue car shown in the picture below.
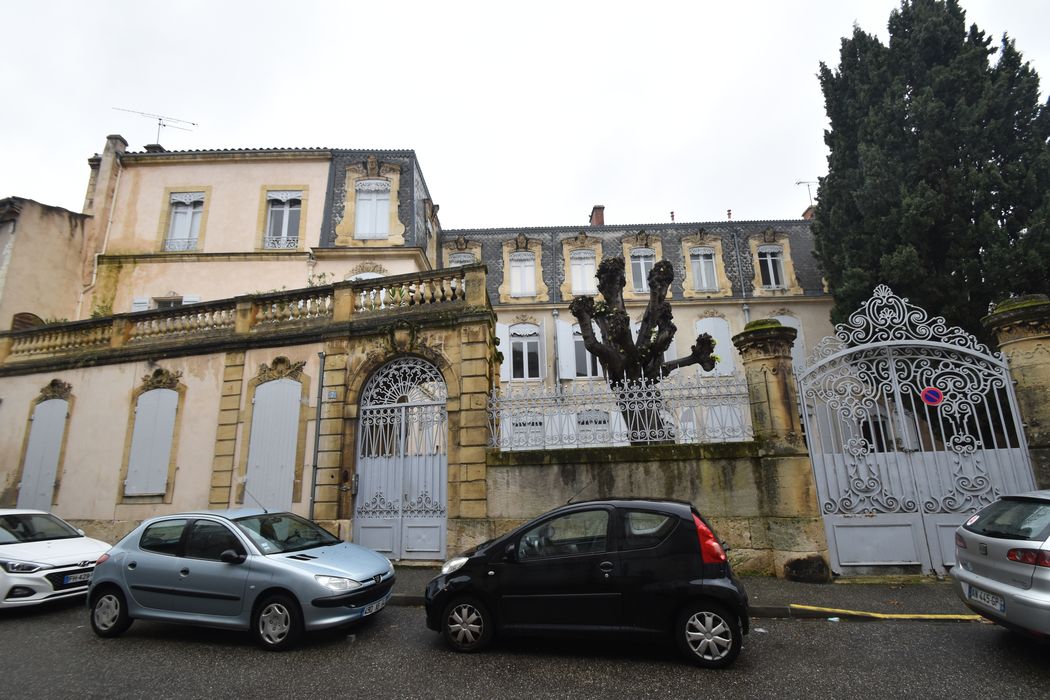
(275, 574)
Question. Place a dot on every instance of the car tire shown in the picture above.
(708, 634)
(109, 613)
(467, 625)
(277, 623)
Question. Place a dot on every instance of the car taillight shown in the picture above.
(1035, 557)
(101, 559)
(710, 548)
(959, 541)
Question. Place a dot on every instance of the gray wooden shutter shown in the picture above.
(272, 446)
(140, 304)
(566, 349)
(41, 461)
(151, 443)
(190, 299)
(503, 334)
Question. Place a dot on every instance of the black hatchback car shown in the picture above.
(613, 567)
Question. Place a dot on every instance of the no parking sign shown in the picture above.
(932, 396)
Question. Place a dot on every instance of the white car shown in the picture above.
(42, 557)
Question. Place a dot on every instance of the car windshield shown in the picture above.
(1013, 519)
(16, 528)
(274, 533)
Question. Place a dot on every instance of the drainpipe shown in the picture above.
(557, 364)
(317, 434)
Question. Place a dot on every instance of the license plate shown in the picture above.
(990, 599)
(77, 578)
(374, 607)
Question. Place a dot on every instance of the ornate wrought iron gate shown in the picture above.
(911, 426)
(402, 461)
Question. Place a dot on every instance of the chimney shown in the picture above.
(154, 148)
(598, 215)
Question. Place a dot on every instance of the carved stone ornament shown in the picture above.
(161, 379)
(643, 239)
(368, 267)
(372, 166)
(372, 186)
(769, 235)
(712, 313)
(521, 242)
(779, 312)
(525, 318)
(282, 367)
(187, 197)
(461, 242)
(582, 239)
(56, 389)
(702, 235)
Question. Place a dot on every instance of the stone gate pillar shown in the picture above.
(788, 493)
(1022, 330)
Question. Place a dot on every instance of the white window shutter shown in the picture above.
(151, 443)
(503, 334)
(140, 304)
(566, 350)
(543, 348)
(718, 328)
(190, 299)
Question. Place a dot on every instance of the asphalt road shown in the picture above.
(52, 653)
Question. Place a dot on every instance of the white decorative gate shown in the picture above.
(402, 461)
(911, 425)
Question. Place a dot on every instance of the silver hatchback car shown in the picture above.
(275, 574)
(1002, 557)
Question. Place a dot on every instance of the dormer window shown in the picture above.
(642, 262)
(771, 266)
(283, 214)
(702, 261)
(372, 207)
(523, 274)
(581, 263)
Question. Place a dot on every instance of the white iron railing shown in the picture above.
(684, 410)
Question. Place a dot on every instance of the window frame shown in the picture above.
(590, 360)
(521, 542)
(583, 265)
(642, 262)
(702, 265)
(287, 202)
(177, 548)
(185, 221)
(522, 274)
(522, 335)
(771, 266)
(372, 191)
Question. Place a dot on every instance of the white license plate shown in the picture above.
(985, 598)
(375, 607)
(77, 578)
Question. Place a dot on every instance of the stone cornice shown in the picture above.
(1020, 319)
(766, 341)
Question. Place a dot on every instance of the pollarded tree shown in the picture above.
(627, 360)
(938, 177)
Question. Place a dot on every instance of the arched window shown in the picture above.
(718, 329)
(702, 261)
(586, 364)
(523, 274)
(642, 261)
(581, 263)
(372, 209)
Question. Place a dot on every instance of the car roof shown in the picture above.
(1042, 494)
(628, 502)
(21, 511)
(225, 514)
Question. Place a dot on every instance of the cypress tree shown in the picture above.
(938, 177)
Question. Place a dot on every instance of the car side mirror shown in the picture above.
(81, 532)
(229, 556)
(509, 553)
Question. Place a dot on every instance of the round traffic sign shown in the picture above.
(932, 396)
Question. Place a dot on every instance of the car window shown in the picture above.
(208, 540)
(34, 527)
(1014, 519)
(274, 533)
(642, 529)
(575, 533)
(163, 537)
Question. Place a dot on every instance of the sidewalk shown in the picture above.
(908, 598)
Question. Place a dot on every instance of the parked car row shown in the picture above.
(626, 568)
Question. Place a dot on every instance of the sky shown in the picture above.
(521, 114)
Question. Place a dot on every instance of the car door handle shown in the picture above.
(184, 572)
(606, 568)
(132, 565)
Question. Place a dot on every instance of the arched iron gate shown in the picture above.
(402, 461)
(911, 425)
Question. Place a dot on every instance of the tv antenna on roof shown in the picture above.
(162, 121)
(809, 191)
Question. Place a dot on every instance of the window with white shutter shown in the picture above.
(151, 443)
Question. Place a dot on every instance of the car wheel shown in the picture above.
(467, 625)
(277, 624)
(109, 613)
(708, 634)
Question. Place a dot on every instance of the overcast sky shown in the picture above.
(521, 114)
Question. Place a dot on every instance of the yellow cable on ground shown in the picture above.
(885, 616)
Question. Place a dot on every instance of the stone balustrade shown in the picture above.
(254, 314)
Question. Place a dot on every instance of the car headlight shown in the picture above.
(337, 583)
(12, 566)
(453, 565)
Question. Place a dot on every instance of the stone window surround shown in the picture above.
(65, 392)
(714, 243)
(165, 217)
(630, 243)
(344, 231)
(178, 387)
(791, 285)
(536, 248)
(568, 247)
(264, 212)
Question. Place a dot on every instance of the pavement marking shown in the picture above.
(885, 616)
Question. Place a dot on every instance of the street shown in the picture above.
(51, 652)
